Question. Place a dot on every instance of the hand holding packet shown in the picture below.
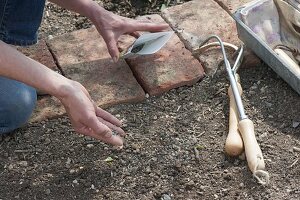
(148, 43)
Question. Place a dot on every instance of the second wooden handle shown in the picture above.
(234, 144)
(252, 150)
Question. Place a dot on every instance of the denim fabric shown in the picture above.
(20, 20)
(17, 102)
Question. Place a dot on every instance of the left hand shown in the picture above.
(112, 26)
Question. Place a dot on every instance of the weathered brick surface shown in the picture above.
(231, 6)
(40, 53)
(196, 20)
(47, 107)
(83, 57)
(173, 66)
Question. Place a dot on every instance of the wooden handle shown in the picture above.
(234, 144)
(252, 150)
(294, 67)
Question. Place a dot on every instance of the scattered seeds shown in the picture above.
(109, 159)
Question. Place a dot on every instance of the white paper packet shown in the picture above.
(148, 43)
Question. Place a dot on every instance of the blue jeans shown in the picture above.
(20, 20)
(17, 102)
(19, 23)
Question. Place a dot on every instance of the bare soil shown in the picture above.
(48, 160)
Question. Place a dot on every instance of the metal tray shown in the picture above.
(262, 50)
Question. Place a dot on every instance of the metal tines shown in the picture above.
(231, 71)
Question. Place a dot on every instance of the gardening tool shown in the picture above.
(241, 128)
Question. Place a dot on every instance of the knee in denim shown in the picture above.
(17, 108)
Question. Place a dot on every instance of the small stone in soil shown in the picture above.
(89, 145)
(47, 191)
(23, 163)
(296, 149)
(165, 197)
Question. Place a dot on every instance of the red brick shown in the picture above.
(40, 52)
(47, 107)
(197, 20)
(173, 66)
(250, 59)
(83, 57)
(231, 6)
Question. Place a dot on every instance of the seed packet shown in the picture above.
(148, 43)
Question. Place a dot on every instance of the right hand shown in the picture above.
(88, 119)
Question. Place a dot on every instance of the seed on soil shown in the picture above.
(89, 145)
(109, 159)
(23, 163)
(165, 197)
(296, 149)
(75, 181)
(47, 141)
(295, 124)
(10, 167)
(47, 191)
(148, 169)
(251, 92)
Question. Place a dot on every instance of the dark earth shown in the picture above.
(47, 160)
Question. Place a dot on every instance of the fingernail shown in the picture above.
(118, 147)
(108, 134)
(115, 59)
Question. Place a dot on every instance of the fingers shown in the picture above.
(113, 50)
(150, 27)
(112, 127)
(107, 116)
(135, 34)
(108, 138)
(100, 131)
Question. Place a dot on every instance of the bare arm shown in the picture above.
(15, 65)
(83, 7)
(109, 25)
(86, 117)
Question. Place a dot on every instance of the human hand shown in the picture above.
(87, 118)
(112, 26)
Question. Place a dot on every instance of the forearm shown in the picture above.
(86, 8)
(17, 66)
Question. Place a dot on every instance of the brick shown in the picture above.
(83, 57)
(47, 107)
(171, 67)
(231, 6)
(40, 52)
(250, 59)
(197, 20)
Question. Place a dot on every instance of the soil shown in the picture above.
(48, 160)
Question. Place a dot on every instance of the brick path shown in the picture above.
(82, 56)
